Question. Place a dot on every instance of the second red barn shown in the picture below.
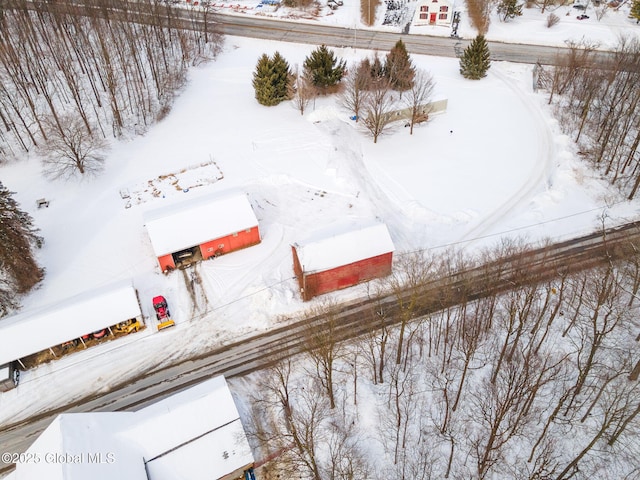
(201, 228)
(340, 259)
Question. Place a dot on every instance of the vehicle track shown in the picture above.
(541, 170)
(354, 319)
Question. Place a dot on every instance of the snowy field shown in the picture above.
(494, 165)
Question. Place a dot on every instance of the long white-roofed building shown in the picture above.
(195, 434)
(41, 329)
(201, 228)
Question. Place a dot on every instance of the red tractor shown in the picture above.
(162, 312)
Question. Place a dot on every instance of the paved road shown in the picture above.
(298, 32)
(316, 34)
(354, 319)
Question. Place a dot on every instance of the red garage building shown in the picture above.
(199, 229)
(330, 262)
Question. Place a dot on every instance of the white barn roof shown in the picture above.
(193, 435)
(187, 224)
(326, 251)
(196, 434)
(35, 330)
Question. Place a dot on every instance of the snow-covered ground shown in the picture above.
(530, 28)
(495, 164)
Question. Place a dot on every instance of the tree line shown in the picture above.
(19, 271)
(539, 382)
(70, 81)
(598, 103)
(365, 89)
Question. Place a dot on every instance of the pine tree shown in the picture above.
(323, 69)
(272, 80)
(475, 60)
(509, 9)
(363, 74)
(635, 10)
(377, 69)
(283, 77)
(399, 68)
(19, 271)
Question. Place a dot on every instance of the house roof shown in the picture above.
(190, 223)
(193, 435)
(35, 330)
(337, 247)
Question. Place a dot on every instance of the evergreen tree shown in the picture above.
(377, 69)
(283, 77)
(475, 60)
(509, 9)
(635, 10)
(363, 74)
(399, 68)
(272, 80)
(19, 271)
(322, 68)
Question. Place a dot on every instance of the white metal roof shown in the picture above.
(190, 223)
(195, 434)
(35, 330)
(325, 251)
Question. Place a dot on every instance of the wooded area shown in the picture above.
(534, 383)
(70, 81)
(598, 103)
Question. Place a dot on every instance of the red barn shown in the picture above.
(202, 228)
(330, 262)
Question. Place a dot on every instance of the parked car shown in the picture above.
(582, 17)
(9, 376)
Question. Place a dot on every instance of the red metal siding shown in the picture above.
(230, 243)
(226, 244)
(297, 269)
(318, 283)
(166, 263)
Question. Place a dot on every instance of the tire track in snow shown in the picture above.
(387, 207)
(542, 170)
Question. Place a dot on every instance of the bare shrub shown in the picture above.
(368, 10)
(301, 91)
(601, 11)
(302, 4)
(552, 20)
(479, 12)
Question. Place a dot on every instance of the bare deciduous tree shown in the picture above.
(407, 284)
(302, 91)
(71, 149)
(346, 459)
(355, 91)
(418, 97)
(323, 347)
(377, 109)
